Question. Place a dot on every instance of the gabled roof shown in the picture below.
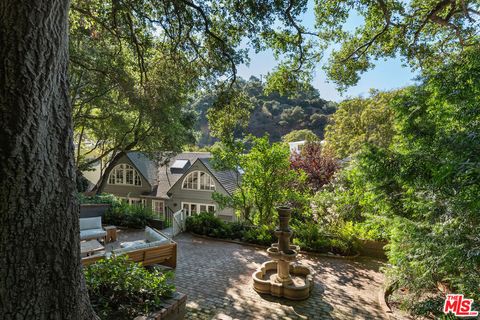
(166, 179)
(227, 178)
(146, 167)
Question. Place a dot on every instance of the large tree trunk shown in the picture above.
(40, 271)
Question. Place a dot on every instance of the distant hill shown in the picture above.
(275, 114)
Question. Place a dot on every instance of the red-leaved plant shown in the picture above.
(317, 164)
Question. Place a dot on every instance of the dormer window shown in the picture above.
(198, 180)
(124, 174)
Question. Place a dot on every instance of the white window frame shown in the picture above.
(189, 204)
(207, 180)
(130, 201)
(159, 214)
(123, 168)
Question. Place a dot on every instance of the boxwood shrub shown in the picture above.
(121, 289)
(309, 236)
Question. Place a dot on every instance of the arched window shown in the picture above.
(198, 180)
(124, 174)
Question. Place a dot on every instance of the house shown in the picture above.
(296, 146)
(186, 182)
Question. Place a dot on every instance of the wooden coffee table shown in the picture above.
(89, 247)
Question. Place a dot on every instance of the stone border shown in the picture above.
(308, 253)
(174, 309)
(383, 300)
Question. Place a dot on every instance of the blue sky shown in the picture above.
(388, 74)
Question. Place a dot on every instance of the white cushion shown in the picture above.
(157, 243)
(131, 244)
(126, 250)
(90, 223)
(92, 234)
(152, 235)
(139, 246)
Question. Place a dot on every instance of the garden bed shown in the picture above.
(89, 210)
(173, 309)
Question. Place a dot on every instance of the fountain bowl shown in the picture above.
(265, 281)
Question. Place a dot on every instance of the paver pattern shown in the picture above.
(216, 276)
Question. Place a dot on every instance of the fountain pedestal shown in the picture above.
(279, 277)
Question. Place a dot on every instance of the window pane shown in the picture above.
(211, 208)
(195, 180)
(159, 206)
(202, 180)
(193, 208)
(119, 176)
(129, 176)
(203, 208)
(138, 182)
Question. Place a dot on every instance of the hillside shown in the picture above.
(275, 114)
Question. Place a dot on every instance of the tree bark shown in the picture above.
(40, 271)
(102, 183)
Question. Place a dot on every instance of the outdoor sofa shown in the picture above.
(91, 228)
(156, 248)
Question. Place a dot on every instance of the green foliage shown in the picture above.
(361, 121)
(99, 198)
(312, 237)
(267, 180)
(229, 112)
(207, 224)
(262, 235)
(425, 33)
(121, 289)
(210, 225)
(349, 199)
(118, 103)
(249, 109)
(126, 215)
(300, 135)
(309, 236)
(292, 116)
(423, 185)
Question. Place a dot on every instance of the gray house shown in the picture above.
(186, 182)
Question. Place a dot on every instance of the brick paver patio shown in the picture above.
(216, 276)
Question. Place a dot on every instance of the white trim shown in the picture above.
(197, 209)
(136, 174)
(207, 176)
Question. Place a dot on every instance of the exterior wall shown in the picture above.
(128, 191)
(179, 195)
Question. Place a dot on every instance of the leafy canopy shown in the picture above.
(425, 181)
(267, 180)
(300, 135)
(361, 121)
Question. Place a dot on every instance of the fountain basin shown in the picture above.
(289, 256)
(265, 280)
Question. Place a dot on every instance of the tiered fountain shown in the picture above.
(279, 277)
